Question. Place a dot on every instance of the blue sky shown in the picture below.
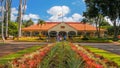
(47, 9)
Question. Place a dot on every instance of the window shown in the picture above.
(62, 27)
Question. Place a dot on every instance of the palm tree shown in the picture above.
(20, 19)
(20, 16)
(7, 15)
(2, 16)
(41, 22)
(6, 19)
(28, 23)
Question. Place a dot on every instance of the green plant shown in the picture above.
(61, 56)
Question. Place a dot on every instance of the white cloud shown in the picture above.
(77, 17)
(31, 16)
(59, 11)
(68, 19)
(74, 18)
(34, 17)
(108, 20)
(111, 22)
(78, 3)
(59, 14)
(14, 13)
(2, 8)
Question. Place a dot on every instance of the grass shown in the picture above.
(106, 54)
(1, 43)
(92, 40)
(9, 57)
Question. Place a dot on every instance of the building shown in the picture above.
(56, 28)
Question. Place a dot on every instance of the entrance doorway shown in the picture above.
(62, 33)
(53, 34)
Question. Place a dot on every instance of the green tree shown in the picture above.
(104, 23)
(13, 29)
(84, 21)
(93, 15)
(41, 22)
(28, 23)
(108, 8)
(111, 9)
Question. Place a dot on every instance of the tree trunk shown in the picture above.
(115, 31)
(9, 10)
(100, 20)
(97, 27)
(2, 24)
(6, 30)
(20, 19)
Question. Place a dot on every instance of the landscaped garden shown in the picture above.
(60, 55)
(105, 54)
(77, 39)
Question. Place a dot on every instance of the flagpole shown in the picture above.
(62, 14)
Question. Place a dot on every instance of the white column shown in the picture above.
(30, 33)
(76, 33)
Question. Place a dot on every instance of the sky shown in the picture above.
(51, 10)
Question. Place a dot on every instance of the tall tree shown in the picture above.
(109, 8)
(7, 15)
(93, 14)
(22, 7)
(2, 18)
(20, 18)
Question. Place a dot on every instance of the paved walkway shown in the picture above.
(111, 47)
(12, 46)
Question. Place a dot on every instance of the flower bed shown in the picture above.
(62, 55)
(31, 60)
(93, 60)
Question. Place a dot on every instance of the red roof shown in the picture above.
(37, 27)
(81, 26)
(76, 25)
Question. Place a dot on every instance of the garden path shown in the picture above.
(12, 47)
(111, 47)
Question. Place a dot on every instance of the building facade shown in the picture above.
(53, 29)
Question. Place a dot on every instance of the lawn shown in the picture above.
(5, 59)
(106, 54)
(91, 40)
(1, 43)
